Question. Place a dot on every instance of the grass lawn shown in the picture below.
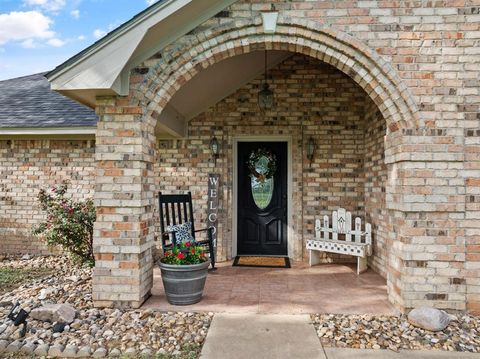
(11, 278)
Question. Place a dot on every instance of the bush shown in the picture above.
(69, 223)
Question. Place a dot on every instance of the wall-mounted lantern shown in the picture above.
(214, 149)
(311, 147)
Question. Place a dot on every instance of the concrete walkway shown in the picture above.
(254, 336)
(337, 353)
(242, 336)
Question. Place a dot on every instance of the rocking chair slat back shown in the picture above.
(175, 209)
(178, 209)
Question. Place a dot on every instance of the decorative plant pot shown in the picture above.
(184, 284)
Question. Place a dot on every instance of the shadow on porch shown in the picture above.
(330, 288)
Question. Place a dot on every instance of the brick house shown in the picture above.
(387, 90)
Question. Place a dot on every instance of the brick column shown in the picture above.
(472, 220)
(124, 198)
(426, 197)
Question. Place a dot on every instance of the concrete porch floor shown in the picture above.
(328, 288)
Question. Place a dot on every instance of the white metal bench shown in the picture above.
(341, 224)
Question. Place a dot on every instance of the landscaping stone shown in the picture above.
(42, 350)
(115, 353)
(429, 318)
(70, 351)
(146, 353)
(84, 351)
(92, 328)
(59, 327)
(45, 293)
(3, 345)
(14, 347)
(55, 350)
(28, 348)
(100, 353)
(395, 333)
(54, 313)
(130, 352)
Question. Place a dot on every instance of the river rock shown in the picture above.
(115, 352)
(3, 345)
(28, 349)
(45, 292)
(70, 351)
(54, 313)
(14, 347)
(84, 352)
(55, 350)
(59, 327)
(42, 350)
(130, 352)
(146, 353)
(100, 353)
(429, 318)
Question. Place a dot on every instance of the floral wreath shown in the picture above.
(252, 164)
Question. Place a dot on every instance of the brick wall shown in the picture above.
(25, 167)
(312, 99)
(375, 172)
(418, 61)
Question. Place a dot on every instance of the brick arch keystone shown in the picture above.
(342, 51)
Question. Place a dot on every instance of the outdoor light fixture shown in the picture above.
(265, 96)
(214, 149)
(19, 317)
(311, 146)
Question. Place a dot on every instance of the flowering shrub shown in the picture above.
(185, 253)
(69, 223)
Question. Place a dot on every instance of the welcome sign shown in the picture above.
(212, 212)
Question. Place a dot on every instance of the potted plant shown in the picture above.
(184, 272)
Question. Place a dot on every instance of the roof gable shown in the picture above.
(104, 67)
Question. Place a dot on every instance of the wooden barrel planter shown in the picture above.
(184, 284)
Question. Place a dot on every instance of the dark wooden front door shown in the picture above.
(262, 205)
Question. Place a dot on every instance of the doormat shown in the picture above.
(268, 262)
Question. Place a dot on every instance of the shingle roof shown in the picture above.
(27, 102)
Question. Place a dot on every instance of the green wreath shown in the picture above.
(253, 159)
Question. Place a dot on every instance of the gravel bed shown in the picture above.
(395, 333)
(94, 332)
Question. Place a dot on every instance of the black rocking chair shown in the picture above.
(178, 209)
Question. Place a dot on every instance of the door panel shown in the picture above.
(262, 204)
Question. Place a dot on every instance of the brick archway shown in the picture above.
(342, 51)
(126, 140)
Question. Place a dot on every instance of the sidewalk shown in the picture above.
(338, 353)
(254, 336)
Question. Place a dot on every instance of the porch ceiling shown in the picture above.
(211, 86)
